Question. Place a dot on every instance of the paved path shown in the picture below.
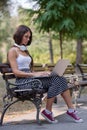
(27, 121)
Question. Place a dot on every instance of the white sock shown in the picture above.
(47, 111)
(70, 110)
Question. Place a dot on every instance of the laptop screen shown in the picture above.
(61, 66)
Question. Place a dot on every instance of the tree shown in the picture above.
(4, 6)
(4, 19)
(50, 48)
(6, 28)
(29, 22)
(65, 17)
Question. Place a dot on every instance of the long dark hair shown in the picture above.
(18, 35)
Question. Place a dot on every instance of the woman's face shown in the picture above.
(25, 38)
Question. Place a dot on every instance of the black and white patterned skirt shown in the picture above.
(54, 85)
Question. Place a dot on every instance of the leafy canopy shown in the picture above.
(61, 15)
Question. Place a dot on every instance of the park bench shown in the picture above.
(13, 94)
(81, 70)
(70, 70)
(38, 67)
(35, 95)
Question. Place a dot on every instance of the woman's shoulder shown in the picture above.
(12, 50)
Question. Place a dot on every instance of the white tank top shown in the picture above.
(23, 62)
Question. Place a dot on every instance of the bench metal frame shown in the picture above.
(81, 70)
(13, 94)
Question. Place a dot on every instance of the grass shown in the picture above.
(2, 90)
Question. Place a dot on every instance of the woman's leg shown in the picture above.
(47, 113)
(67, 98)
(50, 103)
(71, 111)
(59, 85)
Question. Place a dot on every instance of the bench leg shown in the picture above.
(5, 109)
(80, 91)
(75, 92)
(37, 116)
(38, 103)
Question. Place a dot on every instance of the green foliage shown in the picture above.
(62, 15)
(69, 48)
(68, 17)
(4, 7)
(6, 35)
(40, 50)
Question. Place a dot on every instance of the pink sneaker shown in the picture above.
(48, 117)
(75, 117)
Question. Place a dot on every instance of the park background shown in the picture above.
(59, 28)
(59, 31)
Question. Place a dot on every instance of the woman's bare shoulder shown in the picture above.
(12, 51)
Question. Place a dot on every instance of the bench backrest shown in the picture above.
(82, 69)
(6, 71)
(69, 70)
(38, 67)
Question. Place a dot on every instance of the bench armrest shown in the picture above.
(35, 83)
(22, 90)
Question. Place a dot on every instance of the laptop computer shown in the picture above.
(60, 67)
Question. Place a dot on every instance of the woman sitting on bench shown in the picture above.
(21, 63)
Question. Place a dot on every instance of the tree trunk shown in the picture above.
(61, 50)
(51, 49)
(79, 51)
